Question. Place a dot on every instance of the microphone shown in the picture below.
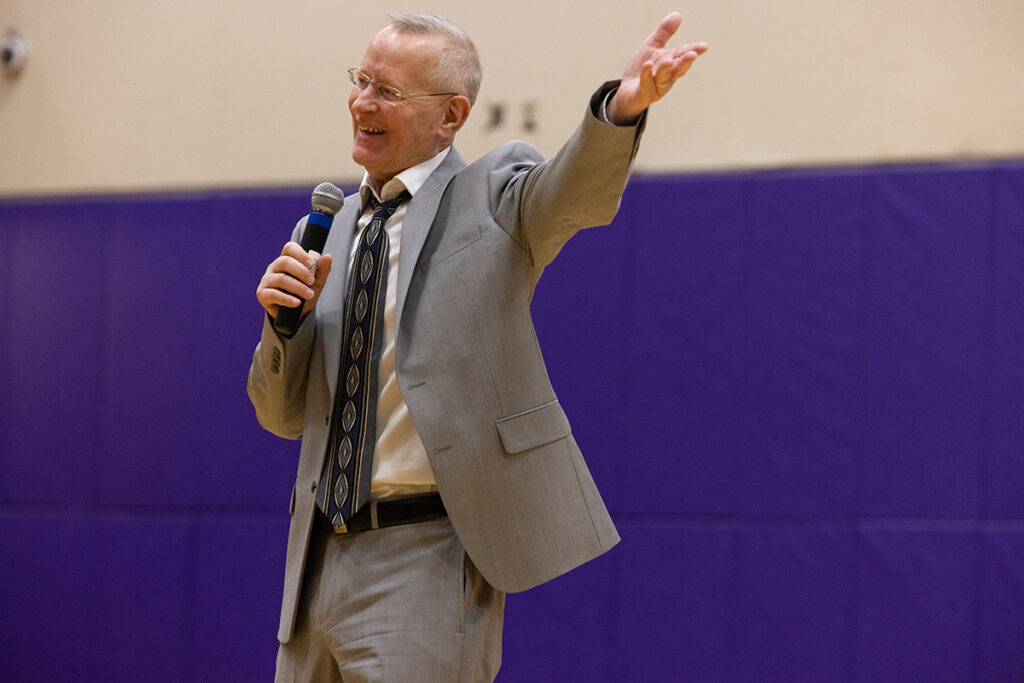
(327, 200)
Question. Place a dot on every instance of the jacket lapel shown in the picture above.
(419, 217)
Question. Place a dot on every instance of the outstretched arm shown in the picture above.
(652, 72)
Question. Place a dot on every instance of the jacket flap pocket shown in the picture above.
(534, 427)
(460, 242)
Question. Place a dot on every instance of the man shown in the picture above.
(476, 486)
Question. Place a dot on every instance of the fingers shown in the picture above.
(658, 77)
(683, 56)
(666, 29)
(652, 71)
(297, 260)
(323, 269)
(692, 51)
(670, 66)
(290, 277)
(667, 64)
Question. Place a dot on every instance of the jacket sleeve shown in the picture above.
(279, 373)
(546, 203)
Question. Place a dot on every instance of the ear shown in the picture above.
(456, 111)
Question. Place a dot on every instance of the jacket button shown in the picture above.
(312, 488)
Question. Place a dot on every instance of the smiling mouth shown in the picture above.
(370, 131)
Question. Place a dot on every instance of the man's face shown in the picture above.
(389, 137)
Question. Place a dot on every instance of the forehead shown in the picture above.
(402, 58)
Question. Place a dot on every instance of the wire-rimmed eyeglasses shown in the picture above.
(360, 79)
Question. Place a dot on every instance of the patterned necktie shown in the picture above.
(345, 482)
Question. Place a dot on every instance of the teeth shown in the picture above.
(373, 131)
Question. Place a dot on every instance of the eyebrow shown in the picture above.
(382, 81)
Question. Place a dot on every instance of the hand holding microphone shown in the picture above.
(293, 281)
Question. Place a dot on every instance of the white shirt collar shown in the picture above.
(410, 180)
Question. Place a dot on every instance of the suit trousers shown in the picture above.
(398, 604)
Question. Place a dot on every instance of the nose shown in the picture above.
(363, 100)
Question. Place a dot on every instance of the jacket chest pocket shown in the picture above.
(457, 244)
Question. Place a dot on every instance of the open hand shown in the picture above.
(652, 72)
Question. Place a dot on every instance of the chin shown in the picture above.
(363, 159)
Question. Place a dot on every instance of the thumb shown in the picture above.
(666, 29)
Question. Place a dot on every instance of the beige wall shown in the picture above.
(127, 95)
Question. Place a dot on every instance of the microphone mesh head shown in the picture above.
(327, 198)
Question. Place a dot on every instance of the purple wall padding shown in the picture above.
(801, 393)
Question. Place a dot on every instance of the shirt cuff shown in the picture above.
(602, 113)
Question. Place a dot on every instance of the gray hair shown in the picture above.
(458, 68)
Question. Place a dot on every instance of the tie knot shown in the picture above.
(386, 208)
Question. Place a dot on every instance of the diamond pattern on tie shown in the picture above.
(345, 481)
(355, 345)
(340, 493)
(348, 416)
(361, 304)
(344, 452)
(352, 382)
(366, 268)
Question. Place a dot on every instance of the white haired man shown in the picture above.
(476, 486)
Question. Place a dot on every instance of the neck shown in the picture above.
(377, 185)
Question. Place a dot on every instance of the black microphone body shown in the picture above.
(327, 200)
